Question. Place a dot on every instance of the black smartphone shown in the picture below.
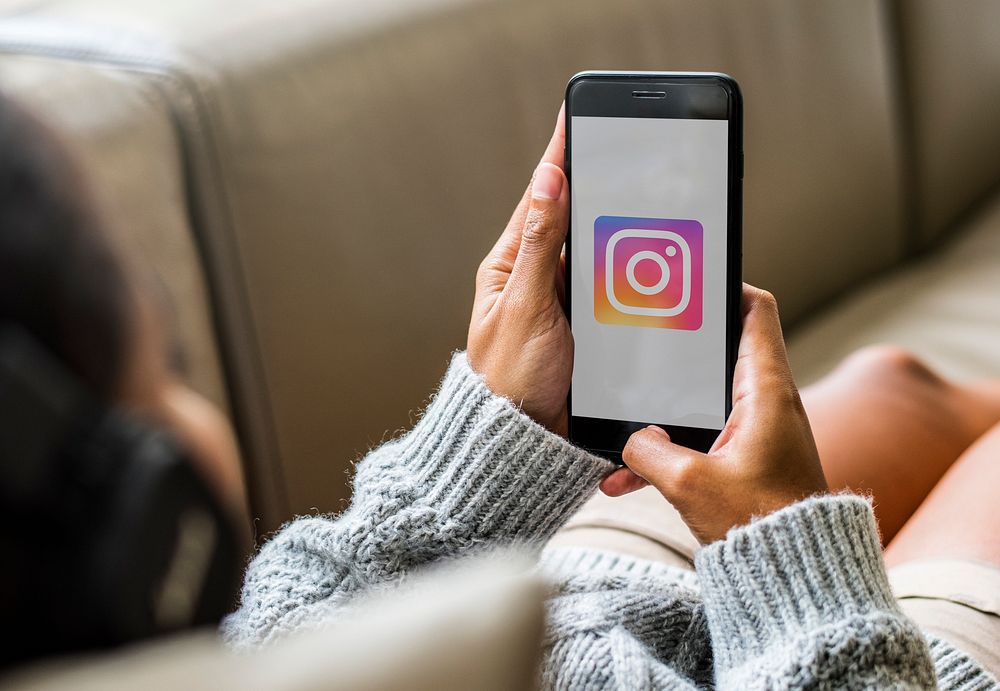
(654, 254)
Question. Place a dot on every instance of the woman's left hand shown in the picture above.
(519, 338)
(764, 459)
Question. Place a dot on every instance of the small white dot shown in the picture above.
(671, 250)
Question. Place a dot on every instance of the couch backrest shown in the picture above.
(328, 159)
(950, 65)
(347, 165)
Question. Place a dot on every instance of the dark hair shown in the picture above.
(60, 278)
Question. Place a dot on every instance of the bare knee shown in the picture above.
(905, 385)
(882, 363)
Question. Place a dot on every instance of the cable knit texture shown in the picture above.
(796, 599)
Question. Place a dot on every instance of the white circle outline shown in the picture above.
(634, 282)
(609, 274)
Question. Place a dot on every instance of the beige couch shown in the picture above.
(474, 626)
(316, 181)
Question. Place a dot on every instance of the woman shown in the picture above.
(797, 597)
(790, 589)
(69, 296)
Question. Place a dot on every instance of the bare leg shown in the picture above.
(961, 516)
(888, 426)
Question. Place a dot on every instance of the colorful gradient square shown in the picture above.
(640, 248)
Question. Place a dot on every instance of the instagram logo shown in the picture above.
(648, 272)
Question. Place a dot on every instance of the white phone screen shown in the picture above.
(648, 243)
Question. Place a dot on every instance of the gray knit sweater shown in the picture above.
(796, 599)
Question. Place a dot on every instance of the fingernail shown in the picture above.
(548, 182)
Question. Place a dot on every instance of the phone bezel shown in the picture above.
(607, 437)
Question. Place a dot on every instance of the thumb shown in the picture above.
(670, 468)
(544, 227)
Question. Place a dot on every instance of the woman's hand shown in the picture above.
(519, 339)
(764, 459)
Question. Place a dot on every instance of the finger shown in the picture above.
(763, 361)
(670, 468)
(761, 323)
(544, 229)
(621, 482)
(505, 250)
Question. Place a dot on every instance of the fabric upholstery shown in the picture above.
(479, 627)
(348, 165)
(945, 308)
(950, 71)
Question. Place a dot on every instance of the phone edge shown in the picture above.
(734, 239)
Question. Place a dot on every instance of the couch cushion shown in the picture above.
(950, 61)
(474, 626)
(945, 308)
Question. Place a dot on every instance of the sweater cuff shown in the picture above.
(490, 469)
(809, 565)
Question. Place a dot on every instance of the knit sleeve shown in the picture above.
(474, 471)
(800, 599)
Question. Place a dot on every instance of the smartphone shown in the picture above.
(654, 254)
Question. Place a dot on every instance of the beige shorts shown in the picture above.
(958, 601)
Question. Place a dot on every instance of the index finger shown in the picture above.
(762, 352)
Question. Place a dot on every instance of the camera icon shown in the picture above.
(648, 272)
(672, 244)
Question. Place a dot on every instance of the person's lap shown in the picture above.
(923, 448)
(641, 524)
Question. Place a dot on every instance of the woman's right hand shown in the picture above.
(764, 459)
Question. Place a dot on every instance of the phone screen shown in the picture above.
(648, 269)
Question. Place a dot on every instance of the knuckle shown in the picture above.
(483, 274)
(490, 266)
(545, 225)
(684, 476)
(482, 269)
(536, 228)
